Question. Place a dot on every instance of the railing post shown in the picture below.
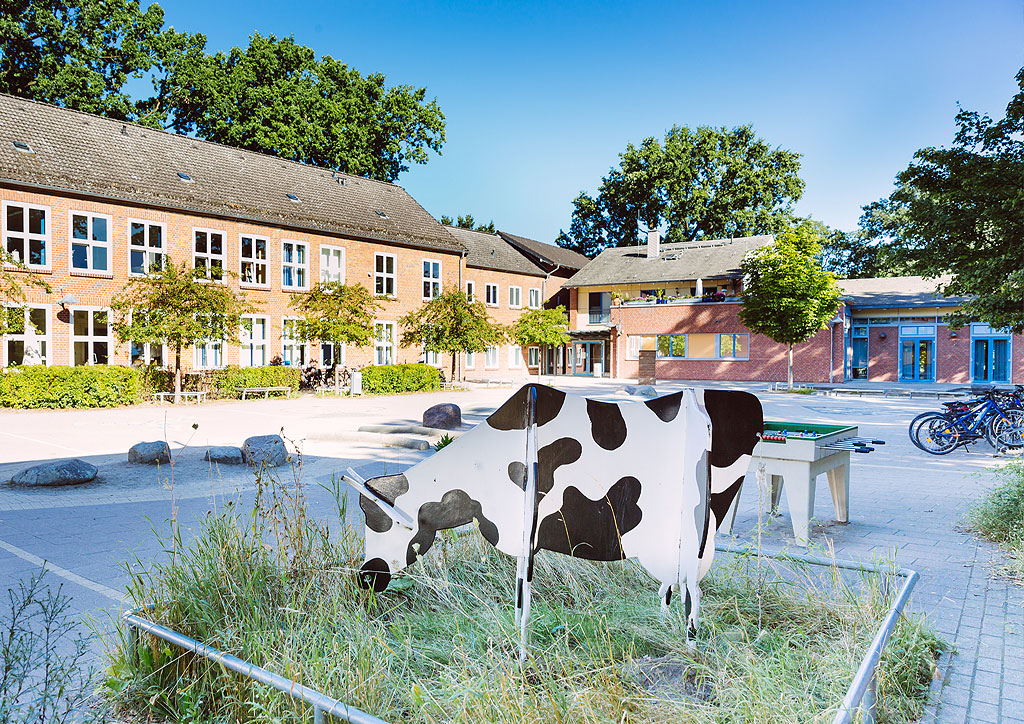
(869, 701)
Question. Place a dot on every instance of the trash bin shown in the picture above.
(355, 386)
(598, 369)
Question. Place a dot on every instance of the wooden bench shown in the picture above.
(266, 391)
(162, 397)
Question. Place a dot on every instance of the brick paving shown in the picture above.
(902, 503)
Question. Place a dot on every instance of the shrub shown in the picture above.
(230, 381)
(999, 516)
(393, 379)
(57, 387)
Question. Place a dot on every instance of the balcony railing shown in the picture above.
(600, 316)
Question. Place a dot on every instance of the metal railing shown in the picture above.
(603, 316)
(861, 697)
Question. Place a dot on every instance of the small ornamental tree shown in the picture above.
(451, 323)
(179, 307)
(337, 313)
(542, 327)
(14, 281)
(787, 296)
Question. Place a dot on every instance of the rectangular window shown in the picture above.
(600, 307)
(28, 342)
(431, 278)
(145, 247)
(471, 291)
(208, 254)
(148, 354)
(253, 338)
(332, 354)
(90, 242)
(26, 234)
(432, 358)
(470, 360)
(515, 297)
(294, 352)
(294, 265)
(671, 346)
(384, 275)
(515, 357)
(384, 342)
(491, 295)
(534, 298)
(636, 342)
(90, 337)
(533, 357)
(209, 355)
(491, 358)
(733, 346)
(253, 266)
(332, 264)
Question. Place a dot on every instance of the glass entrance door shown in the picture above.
(588, 358)
(991, 360)
(917, 360)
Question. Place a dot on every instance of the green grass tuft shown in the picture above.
(999, 516)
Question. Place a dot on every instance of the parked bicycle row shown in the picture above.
(997, 417)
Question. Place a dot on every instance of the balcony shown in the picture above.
(600, 316)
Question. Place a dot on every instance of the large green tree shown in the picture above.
(452, 324)
(468, 222)
(15, 281)
(787, 296)
(179, 307)
(541, 327)
(960, 211)
(701, 183)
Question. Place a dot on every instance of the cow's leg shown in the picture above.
(665, 597)
(691, 626)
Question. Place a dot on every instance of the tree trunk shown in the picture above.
(177, 374)
(454, 358)
(337, 372)
(790, 368)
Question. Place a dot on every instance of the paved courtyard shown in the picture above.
(902, 502)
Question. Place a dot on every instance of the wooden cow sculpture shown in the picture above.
(603, 481)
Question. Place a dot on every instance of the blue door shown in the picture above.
(991, 360)
(917, 360)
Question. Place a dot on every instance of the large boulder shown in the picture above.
(58, 472)
(150, 453)
(445, 416)
(265, 451)
(640, 390)
(224, 454)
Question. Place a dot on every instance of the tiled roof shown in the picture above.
(88, 154)
(679, 261)
(546, 253)
(896, 292)
(490, 251)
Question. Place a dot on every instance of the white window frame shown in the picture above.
(532, 352)
(298, 269)
(213, 348)
(634, 342)
(432, 281)
(291, 344)
(27, 236)
(89, 338)
(534, 293)
(491, 360)
(147, 353)
(28, 336)
(470, 360)
(90, 243)
(337, 348)
(254, 260)
(471, 291)
(331, 249)
(381, 345)
(209, 257)
(515, 297)
(488, 288)
(515, 357)
(249, 344)
(385, 276)
(432, 358)
(147, 250)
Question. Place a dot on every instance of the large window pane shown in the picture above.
(81, 323)
(702, 346)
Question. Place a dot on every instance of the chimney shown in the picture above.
(653, 244)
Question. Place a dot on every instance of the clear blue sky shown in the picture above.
(540, 98)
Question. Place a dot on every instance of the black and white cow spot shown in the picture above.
(606, 424)
(388, 487)
(454, 509)
(736, 421)
(667, 407)
(593, 529)
(563, 451)
(517, 473)
(515, 413)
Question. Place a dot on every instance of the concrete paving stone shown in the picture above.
(1013, 692)
(982, 712)
(952, 715)
(985, 663)
(986, 694)
(987, 678)
(956, 696)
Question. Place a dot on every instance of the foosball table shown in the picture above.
(794, 454)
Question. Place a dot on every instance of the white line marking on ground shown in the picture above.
(63, 572)
(45, 442)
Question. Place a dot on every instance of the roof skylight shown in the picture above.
(382, 215)
(186, 178)
(292, 197)
(22, 146)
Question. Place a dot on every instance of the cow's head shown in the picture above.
(388, 534)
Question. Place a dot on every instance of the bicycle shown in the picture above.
(995, 417)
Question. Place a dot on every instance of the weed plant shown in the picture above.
(440, 645)
(999, 516)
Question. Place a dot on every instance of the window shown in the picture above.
(600, 307)
(209, 355)
(294, 351)
(90, 242)
(332, 264)
(432, 358)
(294, 265)
(533, 357)
(491, 358)
(491, 295)
(471, 291)
(384, 342)
(515, 297)
(27, 234)
(384, 274)
(29, 340)
(208, 253)
(534, 299)
(470, 360)
(253, 338)
(253, 269)
(637, 342)
(332, 353)
(515, 357)
(431, 278)
(148, 354)
(90, 337)
(732, 346)
(145, 247)
(671, 345)
(695, 346)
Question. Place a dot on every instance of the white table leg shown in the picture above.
(800, 498)
(839, 483)
(776, 493)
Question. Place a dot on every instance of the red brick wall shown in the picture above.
(953, 355)
(883, 354)
(503, 313)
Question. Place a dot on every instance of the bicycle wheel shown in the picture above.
(938, 435)
(1007, 430)
(916, 423)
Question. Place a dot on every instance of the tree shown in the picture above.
(701, 183)
(787, 296)
(179, 307)
(337, 313)
(451, 323)
(541, 327)
(468, 222)
(957, 211)
(15, 280)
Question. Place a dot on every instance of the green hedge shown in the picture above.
(392, 379)
(39, 386)
(230, 381)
